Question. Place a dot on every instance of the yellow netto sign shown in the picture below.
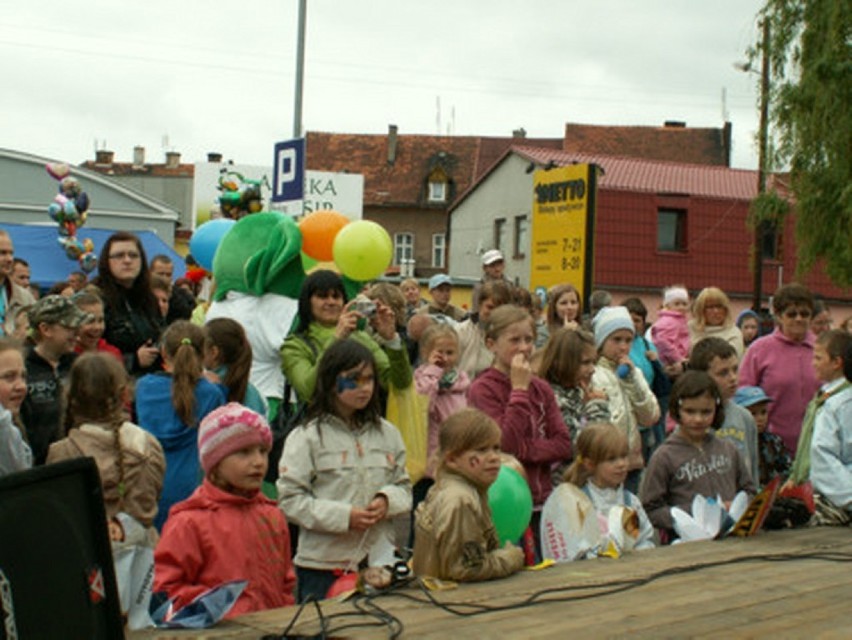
(562, 247)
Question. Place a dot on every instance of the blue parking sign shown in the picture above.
(289, 171)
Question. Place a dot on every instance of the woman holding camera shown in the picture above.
(324, 317)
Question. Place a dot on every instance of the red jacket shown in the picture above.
(532, 425)
(214, 537)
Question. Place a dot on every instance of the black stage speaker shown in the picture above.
(56, 571)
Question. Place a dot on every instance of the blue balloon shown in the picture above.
(206, 238)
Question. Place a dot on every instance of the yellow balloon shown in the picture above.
(362, 250)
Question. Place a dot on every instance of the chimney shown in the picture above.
(519, 133)
(674, 124)
(102, 156)
(392, 129)
(138, 156)
(214, 156)
(172, 159)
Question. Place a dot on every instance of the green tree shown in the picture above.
(811, 52)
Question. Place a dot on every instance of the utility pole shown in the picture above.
(300, 71)
(763, 139)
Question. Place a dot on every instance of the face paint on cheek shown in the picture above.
(346, 384)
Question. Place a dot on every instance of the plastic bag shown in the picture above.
(134, 572)
(409, 412)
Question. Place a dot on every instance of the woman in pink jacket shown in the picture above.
(780, 363)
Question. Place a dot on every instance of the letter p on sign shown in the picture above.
(289, 171)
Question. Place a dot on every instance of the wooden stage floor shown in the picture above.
(789, 584)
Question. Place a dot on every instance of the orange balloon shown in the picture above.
(319, 229)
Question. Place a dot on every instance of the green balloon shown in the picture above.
(511, 505)
(308, 262)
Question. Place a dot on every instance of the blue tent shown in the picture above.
(38, 245)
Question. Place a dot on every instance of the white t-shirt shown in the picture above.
(267, 321)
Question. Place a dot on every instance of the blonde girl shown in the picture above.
(712, 317)
(130, 460)
(522, 404)
(568, 363)
(170, 404)
(455, 535)
(599, 471)
(227, 359)
(440, 380)
(342, 474)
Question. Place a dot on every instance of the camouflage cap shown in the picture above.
(55, 309)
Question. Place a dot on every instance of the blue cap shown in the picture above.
(438, 279)
(748, 396)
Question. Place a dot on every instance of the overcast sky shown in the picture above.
(196, 75)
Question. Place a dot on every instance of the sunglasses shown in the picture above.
(801, 313)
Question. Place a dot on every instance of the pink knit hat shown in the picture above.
(228, 429)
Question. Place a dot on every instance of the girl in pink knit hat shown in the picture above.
(227, 529)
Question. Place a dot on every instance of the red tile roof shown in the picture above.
(631, 174)
(403, 181)
(674, 143)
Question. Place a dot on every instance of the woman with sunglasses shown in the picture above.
(781, 362)
(131, 315)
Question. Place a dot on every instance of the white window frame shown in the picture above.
(403, 247)
(439, 250)
(437, 191)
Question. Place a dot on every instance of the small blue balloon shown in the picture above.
(82, 202)
(206, 238)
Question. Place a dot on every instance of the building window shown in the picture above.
(500, 235)
(770, 242)
(671, 230)
(437, 192)
(403, 248)
(439, 250)
(522, 237)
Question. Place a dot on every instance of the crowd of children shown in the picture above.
(182, 437)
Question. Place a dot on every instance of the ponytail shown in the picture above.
(183, 343)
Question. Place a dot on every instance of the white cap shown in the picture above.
(491, 256)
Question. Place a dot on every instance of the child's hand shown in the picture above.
(363, 519)
(437, 358)
(379, 507)
(570, 324)
(521, 372)
(516, 554)
(384, 322)
(590, 394)
(651, 355)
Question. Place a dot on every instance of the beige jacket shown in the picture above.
(455, 538)
(326, 471)
(144, 466)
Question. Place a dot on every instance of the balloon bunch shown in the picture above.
(361, 249)
(239, 195)
(68, 209)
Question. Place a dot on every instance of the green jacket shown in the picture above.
(299, 361)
